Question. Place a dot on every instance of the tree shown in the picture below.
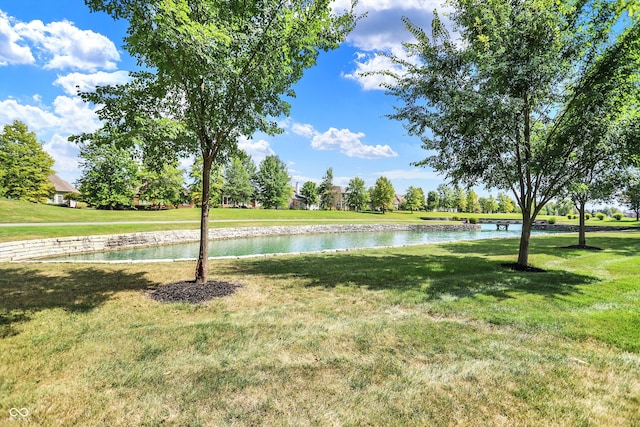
(237, 182)
(631, 194)
(211, 72)
(460, 199)
(326, 191)
(489, 204)
(110, 176)
(446, 197)
(26, 167)
(507, 104)
(382, 194)
(473, 204)
(615, 152)
(273, 179)
(413, 199)
(505, 203)
(216, 183)
(357, 194)
(310, 193)
(433, 200)
(162, 187)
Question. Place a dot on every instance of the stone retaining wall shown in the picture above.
(33, 249)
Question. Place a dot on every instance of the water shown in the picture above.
(297, 244)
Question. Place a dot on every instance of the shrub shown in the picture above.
(455, 218)
(618, 216)
(600, 216)
(81, 205)
(569, 216)
(473, 220)
(552, 220)
(587, 216)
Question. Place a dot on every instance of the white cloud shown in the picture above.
(74, 82)
(75, 115)
(305, 130)
(62, 45)
(382, 30)
(258, 150)
(34, 117)
(381, 5)
(10, 51)
(367, 69)
(65, 154)
(412, 174)
(349, 143)
(68, 116)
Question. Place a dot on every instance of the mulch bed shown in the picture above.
(527, 269)
(191, 293)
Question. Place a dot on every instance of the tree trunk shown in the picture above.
(582, 235)
(525, 237)
(202, 267)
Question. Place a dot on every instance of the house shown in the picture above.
(398, 201)
(61, 187)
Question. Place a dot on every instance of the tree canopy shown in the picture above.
(211, 72)
(109, 176)
(326, 191)
(26, 167)
(162, 187)
(237, 181)
(510, 103)
(310, 193)
(357, 196)
(273, 179)
(382, 194)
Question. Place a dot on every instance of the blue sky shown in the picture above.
(337, 119)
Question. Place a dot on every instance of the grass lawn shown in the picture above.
(43, 221)
(82, 222)
(416, 336)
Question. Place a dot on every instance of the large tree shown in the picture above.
(326, 191)
(433, 201)
(506, 103)
(414, 199)
(211, 72)
(273, 179)
(162, 187)
(110, 176)
(24, 165)
(446, 197)
(237, 181)
(382, 194)
(630, 195)
(310, 193)
(357, 196)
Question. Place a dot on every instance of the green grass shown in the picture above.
(429, 335)
(95, 222)
(42, 221)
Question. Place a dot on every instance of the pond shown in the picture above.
(299, 243)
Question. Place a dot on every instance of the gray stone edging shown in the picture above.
(33, 249)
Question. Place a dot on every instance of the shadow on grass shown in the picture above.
(26, 291)
(552, 245)
(417, 277)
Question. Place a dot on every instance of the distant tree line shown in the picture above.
(114, 178)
